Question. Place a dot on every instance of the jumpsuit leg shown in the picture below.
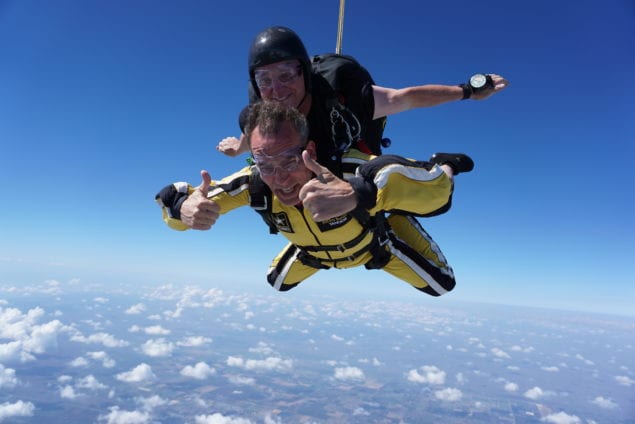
(416, 258)
(286, 270)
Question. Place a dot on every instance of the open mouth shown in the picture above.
(287, 190)
(281, 99)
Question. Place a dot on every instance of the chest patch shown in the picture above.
(334, 223)
(282, 222)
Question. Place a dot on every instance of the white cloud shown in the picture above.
(348, 373)
(90, 382)
(64, 378)
(517, 348)
(158, 347)
(200, 371)
(136, 309)
(43, 336)
(13, 352)
(583, 359)
(449, 395)
(17, 409)
(499, 353)
(156, 330)
(194, 341)
(561, 418)
(550, 369)
(534, 393)
(511, 387)
(262, 348)
(140, 373)
(220, 419)
(188, 297)
(67, 392)
(624, 380)
(604, 403)
(117, 416)
(79, 362)
(95, 324)
(150, 403)
(106, 361)
(460, 378)
(241, 380)
(429, 374)
(101, 300)
(105, 339)
(26, 337)
(361, 411)
(269, 364)
(8, 379)
(235, 361)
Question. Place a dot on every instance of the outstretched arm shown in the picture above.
(197, 211)
(232, 146)
(186, 207)
(389, 101)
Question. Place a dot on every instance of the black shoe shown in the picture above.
(457, 161)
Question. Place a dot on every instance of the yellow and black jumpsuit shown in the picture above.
(397, 244)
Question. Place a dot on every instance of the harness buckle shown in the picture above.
(260, 205)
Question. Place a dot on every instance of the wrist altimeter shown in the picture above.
(476, 84)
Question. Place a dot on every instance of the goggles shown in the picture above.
(285, 74)
(289, 162)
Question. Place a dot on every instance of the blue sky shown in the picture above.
(103, 103)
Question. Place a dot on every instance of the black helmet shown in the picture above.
(277, 44)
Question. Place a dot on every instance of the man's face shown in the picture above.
(281, 82)
(279, 159)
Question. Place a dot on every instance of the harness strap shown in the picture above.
(380, 255)
(260, 199)
(304, 255)
(337, 247)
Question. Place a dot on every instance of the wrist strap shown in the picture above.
(467, 91)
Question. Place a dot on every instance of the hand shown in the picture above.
(499, 83)
(231, 146)
(326, 196)
(197, 211)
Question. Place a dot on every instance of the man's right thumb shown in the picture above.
(207, 180)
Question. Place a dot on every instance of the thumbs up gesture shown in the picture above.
(197, 211)
(326, 196)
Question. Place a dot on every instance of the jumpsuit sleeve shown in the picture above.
(230, 193)
(396, 184)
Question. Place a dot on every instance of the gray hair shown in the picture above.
(269, 116)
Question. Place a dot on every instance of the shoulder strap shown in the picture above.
(347, 84)
(260, 199)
